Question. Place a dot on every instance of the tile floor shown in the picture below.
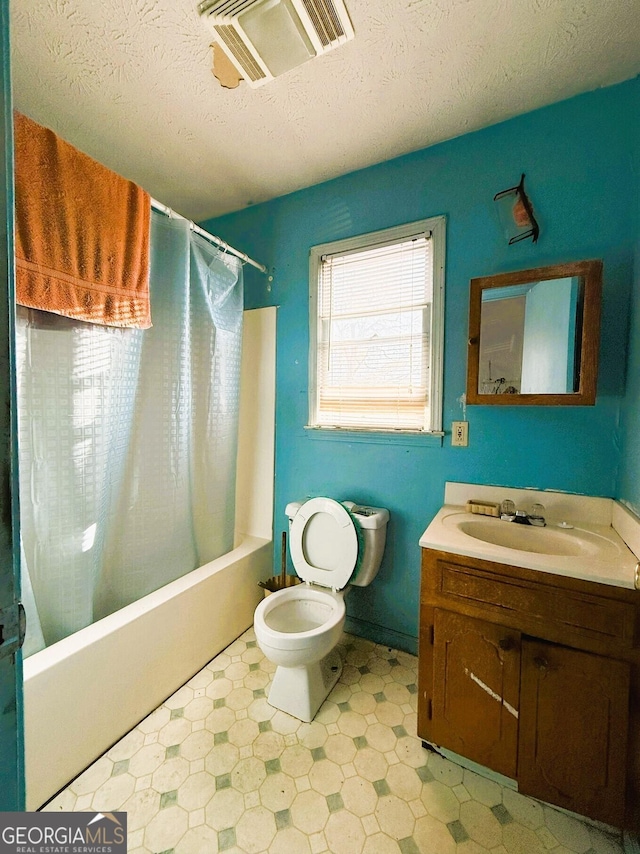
(215, 768)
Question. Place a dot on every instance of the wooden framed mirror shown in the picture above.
(534, 336)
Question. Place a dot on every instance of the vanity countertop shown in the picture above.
(588, 549)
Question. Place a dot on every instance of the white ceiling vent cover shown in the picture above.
(265, 38)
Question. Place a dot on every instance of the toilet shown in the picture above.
(333, 546)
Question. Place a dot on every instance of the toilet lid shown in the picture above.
(324, 543)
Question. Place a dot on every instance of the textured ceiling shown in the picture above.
(130, 83)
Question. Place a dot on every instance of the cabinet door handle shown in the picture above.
(506, 644)
(541, 663)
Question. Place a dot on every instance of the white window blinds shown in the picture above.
(373, 335)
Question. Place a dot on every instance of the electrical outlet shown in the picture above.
(460, 434)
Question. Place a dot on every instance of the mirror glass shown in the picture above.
(534, 336)
(521, 352)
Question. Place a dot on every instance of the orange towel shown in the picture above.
(82, 233)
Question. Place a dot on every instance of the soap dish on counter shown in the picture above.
(484, 508)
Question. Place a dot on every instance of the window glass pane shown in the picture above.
(376, 280)
(380, 351)
(373, 333)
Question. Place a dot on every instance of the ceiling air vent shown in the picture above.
(265, 38)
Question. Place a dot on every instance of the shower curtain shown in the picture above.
(128, 440)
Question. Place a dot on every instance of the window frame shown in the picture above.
(436, 227)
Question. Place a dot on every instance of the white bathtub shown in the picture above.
(86, 691)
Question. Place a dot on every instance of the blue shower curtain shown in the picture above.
(128, 440)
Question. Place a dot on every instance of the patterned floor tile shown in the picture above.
(217, 769)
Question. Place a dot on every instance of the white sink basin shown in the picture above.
(594, 549)
(575, 542)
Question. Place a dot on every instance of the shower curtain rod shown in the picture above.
(217, 240)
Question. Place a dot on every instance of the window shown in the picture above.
(376, 330)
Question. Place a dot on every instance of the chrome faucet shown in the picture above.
(508, 511)
(535, 516)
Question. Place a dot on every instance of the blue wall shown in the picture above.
(548, 355)
(628, 486)
(11, 713)
(577, 157)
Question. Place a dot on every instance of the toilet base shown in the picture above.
(300, 691)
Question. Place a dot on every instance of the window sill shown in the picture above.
(376, 437)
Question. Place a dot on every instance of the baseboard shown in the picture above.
(381, 635)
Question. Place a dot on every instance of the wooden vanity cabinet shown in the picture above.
(574, 709)
(535, 676)
(476, 677)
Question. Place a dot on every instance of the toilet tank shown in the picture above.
(373, 525)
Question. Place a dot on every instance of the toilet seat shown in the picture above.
(324, 543)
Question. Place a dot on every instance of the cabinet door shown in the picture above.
(573, 729)
(476, 682)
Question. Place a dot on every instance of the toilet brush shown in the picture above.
(279, 582)
(283, 570)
